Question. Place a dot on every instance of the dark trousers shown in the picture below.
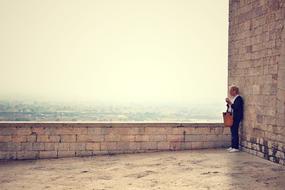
(234, 132)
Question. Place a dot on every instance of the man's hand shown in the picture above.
(229, 101)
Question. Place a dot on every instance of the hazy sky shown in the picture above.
(114, 50)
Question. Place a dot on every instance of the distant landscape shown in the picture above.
(132, 112)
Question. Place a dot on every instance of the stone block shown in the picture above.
(142, 138)
(62, 146)
(149, 146)
(64, 131)
(80, 130)
(7, 131)
(83, 153)
(7, 138)
(54, 138)
(50, 146)
(11, 155)
(93, 146)
(129, 138)
(28, 146)
(42, 138)
(94, 131)
(135, 145)
(67, 138)
(122, 146)
(77, 146)
(107, 146)
(48, 154)
(154, 130)
(65, 154)
(176, 137)
(23, 131)
(111, 137)
(194, 138)
(38, 146)
(197, 145)
(157, 137)
(90, 138)
(31, 138)
(38, 130)
(175, 145)
(27, 155)
(201, 130)
(186, 146)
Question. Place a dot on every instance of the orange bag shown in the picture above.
(228, 118)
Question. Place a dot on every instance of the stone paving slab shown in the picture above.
(197, 169)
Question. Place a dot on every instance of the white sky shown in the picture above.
(114, 50)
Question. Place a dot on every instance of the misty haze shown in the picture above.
(111, 60)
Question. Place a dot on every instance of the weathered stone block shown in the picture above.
(142, 138)
(107, 146)
(112, 137)
(31, 138)
(186, 145)
(8, 155)
(80, 130)
(149, 146)
(175, 137)
(157, 138)
(158, 130)
(7, 138)
(7, 131)
(42, 138)
(54, 138)
(24, 131)
(26, 146)
(213, 137)
(77, 146)
(90, 138)
(122, 145)
(194, 138)
(129, 138)
(83, 153)
(22, 155)
(63, 131)
(50, 146)
(65, 154)
(62, 146)
(197, 145)
(38, 130)
(48, 154)
(38, 146)
(94, 131)
(201, 130)
(135, 145)
(175, 145)
(68, 138)
(92, 146)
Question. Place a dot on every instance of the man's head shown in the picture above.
(234, 90)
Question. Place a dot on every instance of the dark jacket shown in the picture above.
(237, 107)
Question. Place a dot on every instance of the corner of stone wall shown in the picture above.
(256, 64)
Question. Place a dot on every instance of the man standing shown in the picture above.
(235, 105)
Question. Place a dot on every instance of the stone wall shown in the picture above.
(257, 66)
(56, 140)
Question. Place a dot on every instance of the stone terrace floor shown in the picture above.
(197, 169)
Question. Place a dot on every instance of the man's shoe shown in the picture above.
(229, 148)
(234, 150)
